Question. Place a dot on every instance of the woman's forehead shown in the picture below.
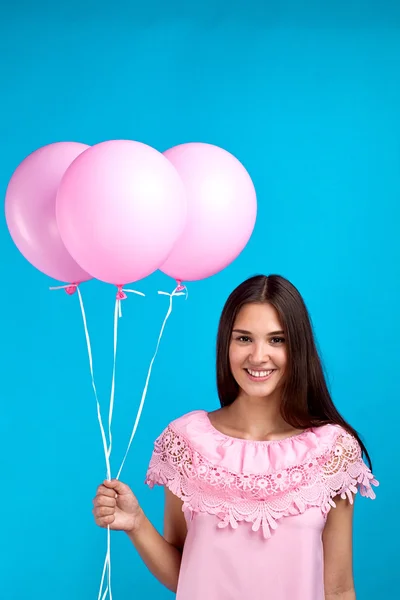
(258, 317)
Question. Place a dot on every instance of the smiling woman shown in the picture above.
(268, 316)
(250, 487)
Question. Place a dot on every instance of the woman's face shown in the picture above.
(257, 353)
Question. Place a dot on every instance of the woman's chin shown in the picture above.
(259, 391)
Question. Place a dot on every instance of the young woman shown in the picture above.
(258, 494)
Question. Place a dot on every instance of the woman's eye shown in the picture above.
(244, 338)
(278, 340)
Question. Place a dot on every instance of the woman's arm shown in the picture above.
(163, 554)
(338, 551)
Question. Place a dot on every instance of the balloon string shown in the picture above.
(90, 356)
(71, 289)
(107, 450)
(176, 292)
(180, 290)
(121, 295)
(107, 560)
(117, 313)
(75, 288)
(105, 570)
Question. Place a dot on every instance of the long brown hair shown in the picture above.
(306, 401)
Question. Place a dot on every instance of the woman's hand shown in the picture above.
(116, 506)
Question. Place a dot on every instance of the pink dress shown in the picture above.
(255, 510)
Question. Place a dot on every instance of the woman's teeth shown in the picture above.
(259, 373)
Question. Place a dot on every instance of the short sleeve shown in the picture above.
(344, 471)
(170, 461)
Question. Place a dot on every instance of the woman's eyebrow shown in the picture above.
(245, 332)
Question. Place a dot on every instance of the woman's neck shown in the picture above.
(257, 418)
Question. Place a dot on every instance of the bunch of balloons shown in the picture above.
(119, 210)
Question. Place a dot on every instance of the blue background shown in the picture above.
(307, 95)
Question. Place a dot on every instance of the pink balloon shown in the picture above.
(121, 206)
(222, 209)
(31, 210)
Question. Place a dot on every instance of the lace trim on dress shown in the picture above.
(259, 499)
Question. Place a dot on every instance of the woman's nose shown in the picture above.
(259, 354)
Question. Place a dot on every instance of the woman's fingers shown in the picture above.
(104, 501)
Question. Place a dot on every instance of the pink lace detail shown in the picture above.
(337, 470)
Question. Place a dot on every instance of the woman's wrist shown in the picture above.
(140, 522)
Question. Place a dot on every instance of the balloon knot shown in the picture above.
(71, 289)
(180, 287)
(121, 294)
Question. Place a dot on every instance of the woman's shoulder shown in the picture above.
(335, 437)
(194, 434)
(185, 420)
(197, 424)
(193, 429)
